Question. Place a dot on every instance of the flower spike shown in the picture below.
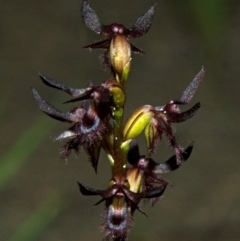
(97, 122)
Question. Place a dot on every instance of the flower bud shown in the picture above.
(117, 93)
(120, 57)
(138, 122)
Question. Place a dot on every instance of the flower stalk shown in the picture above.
(97, 124)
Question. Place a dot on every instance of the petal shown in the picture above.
(73, 144)
(86, 191)
(104, 61)
(171, 164)
(85, 95)
(180, 117)
(191, 89)
(166, 128)
(110, 192)
(136, 50)
(132, 196)
(52, 111)
(134, 206)
(143, 24)
(94, 152)
(90, 18)
(104, 44)
(65, 134)
(100, 94)
(55, 84)
(155, 192)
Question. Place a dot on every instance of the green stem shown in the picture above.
(119, 160)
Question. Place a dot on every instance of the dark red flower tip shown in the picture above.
(171, 110)
(171, 113)
(92, 21)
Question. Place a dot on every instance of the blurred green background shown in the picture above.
(39, 197)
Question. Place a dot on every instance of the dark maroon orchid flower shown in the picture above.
(90, 119)
(150, 169)
(92, 21)
(171, 113)
(156, 121)
(149, 166)
(120, 205)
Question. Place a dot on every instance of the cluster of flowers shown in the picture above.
(98, 124)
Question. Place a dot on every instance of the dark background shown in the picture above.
(39, 197)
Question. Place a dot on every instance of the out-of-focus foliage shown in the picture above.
(39, 219)
(22, 149)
